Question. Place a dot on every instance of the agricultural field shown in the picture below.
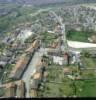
(86, 88)
(90, 62)
(57, 85)
(60, 85)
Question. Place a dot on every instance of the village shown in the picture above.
(44, 64)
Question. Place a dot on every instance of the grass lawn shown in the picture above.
(78, 36)
(59, 85)
(57, 90)
(47, 38)
(86, 88)
(89, 62)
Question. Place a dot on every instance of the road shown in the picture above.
(39, 11)
(31, 68)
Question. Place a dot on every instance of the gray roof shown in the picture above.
(92, 52)
(19, 71)
(4, 58)
(55, 54)
(3, 63)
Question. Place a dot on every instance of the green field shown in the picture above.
(89, 62)
(86, 88)
(47, 38)
(78, 35)
(58, 85)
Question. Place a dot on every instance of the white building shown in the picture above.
(24, 35)
(58, 60)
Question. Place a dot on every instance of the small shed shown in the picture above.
(67, 71)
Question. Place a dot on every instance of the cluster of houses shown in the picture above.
(17, 53)
(20, 61)
(23, 61)
(60, 58)
(83, 17)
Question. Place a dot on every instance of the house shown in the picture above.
(45, 76)
(24, 34)
(58, 57)
(92, 38)
(34, 46)
(2, 65)
(37, 75)
(35, 84)
(77, 27)
(74, 56)
(40, 66)
(58, 60)
(4, 58)
(81, 66)
(92, 53)
(36, 81)
(5, 41)
(67, 71)
(33, 93)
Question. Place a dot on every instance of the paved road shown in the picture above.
(39, 11)
(31, 68)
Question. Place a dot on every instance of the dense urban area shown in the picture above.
(47, 51)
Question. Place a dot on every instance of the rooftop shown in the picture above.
(37, 75)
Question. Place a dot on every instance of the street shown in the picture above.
(31, 68)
